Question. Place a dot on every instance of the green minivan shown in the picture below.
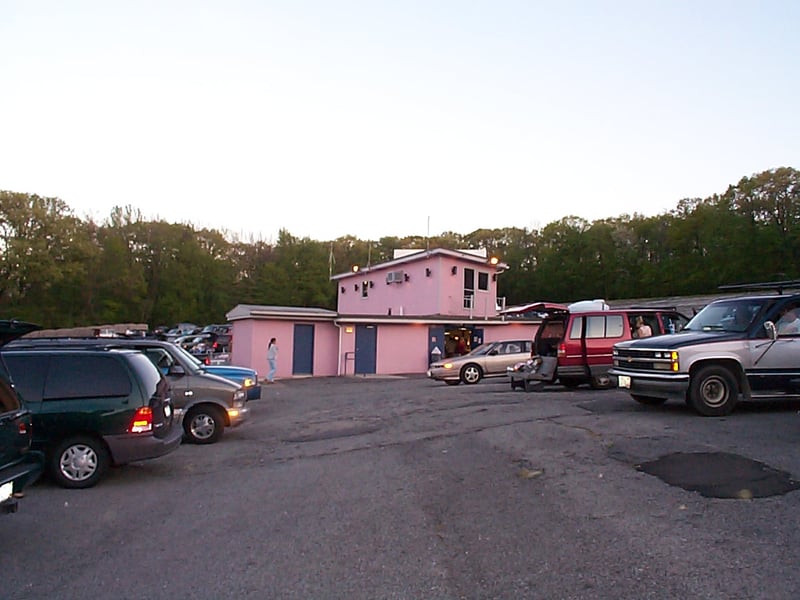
(93, 409)
(19, 465)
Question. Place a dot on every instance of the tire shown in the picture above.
(600, 382)
(79, 462)
(648, 400)
(713, 391)
(451, 382)
(204, 424)
(471, 374)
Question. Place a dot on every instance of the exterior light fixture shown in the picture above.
(355, 268)
(494, 260)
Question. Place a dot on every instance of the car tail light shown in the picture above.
(22, 428)
(207, 360)
(562, 350)
(142, 421)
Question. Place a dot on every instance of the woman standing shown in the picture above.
(272, 359)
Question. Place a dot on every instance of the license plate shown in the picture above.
(6, 490)
(624, 381)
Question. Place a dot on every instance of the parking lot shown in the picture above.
(407, 488)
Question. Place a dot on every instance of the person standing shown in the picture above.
(272, 359)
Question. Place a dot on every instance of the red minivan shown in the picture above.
(581, 336)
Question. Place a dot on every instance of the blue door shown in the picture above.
(366, 349)
(303, 350)
(435, 343)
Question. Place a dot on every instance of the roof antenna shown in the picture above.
(428, 236)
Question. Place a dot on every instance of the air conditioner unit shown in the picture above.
(395, 277)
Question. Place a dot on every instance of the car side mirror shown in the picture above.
(772, 331)
(176, 370)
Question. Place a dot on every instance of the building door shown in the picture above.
(435, 343)
(303, 350)
(366, 349)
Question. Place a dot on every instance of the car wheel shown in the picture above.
(649, 400)
(451, 382)
(600, 382)
(713, 391)
(471, 374)
(79, 462)
(204, 424)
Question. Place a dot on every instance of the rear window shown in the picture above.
(148, 374)
(85, 376)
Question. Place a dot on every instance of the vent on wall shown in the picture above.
(395, 277)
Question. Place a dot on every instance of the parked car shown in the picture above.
(206, 402)
(244, 376)
(19, 465)
(487, 360)
(181, 329)
(93, 408)
(220, 338)
(581, 337)
(735, 348)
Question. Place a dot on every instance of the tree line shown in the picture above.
(59, 270)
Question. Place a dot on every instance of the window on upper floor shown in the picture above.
(483, 281)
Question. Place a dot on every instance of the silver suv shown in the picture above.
(737, 348)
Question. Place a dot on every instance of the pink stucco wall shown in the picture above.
(251, 338)
(402, 349)
(430, 288)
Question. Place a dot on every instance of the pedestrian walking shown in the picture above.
(272, 359)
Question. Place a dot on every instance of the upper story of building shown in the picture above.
(457, 283)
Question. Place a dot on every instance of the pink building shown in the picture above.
(391, 318)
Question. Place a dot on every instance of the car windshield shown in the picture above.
(726, 315)
(195, 364)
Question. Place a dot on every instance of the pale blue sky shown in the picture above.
(377, 118)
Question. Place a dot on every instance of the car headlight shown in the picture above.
(239, 395)
(248, 382)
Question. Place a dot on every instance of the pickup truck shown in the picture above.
(738, 348)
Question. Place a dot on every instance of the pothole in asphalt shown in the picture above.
(720, 475)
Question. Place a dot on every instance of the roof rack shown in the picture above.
(778, 286)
